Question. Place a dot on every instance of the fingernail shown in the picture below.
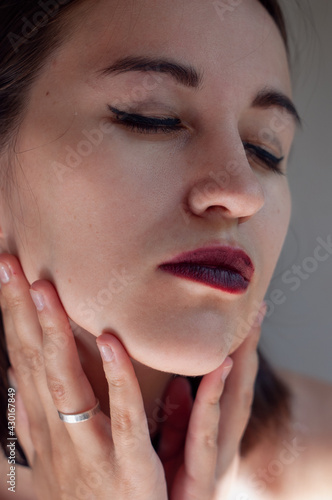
(5, 273)
(228, 364)
(38, 299)
(106, 352)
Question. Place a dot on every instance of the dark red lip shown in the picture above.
(225, 268)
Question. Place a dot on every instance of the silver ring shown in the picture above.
(72, 418)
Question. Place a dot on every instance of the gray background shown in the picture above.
(297, 335)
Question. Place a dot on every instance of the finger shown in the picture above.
(62, 362)
(22, 328)
(130, 431)
(202, 437)
(22, 333)
(235, 405)
(175, 418)
(67, 383)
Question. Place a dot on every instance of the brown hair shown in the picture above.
(29, 32)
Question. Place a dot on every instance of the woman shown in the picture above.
(132, 135)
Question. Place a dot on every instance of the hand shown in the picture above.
(204, 465)
(100, 458)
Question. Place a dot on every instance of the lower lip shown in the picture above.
(221, 279)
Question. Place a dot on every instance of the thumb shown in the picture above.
(175, 419)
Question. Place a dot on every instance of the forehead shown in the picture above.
(228, 43)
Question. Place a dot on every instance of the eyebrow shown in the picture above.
(190, 77)
(268, 98)
(184, 74)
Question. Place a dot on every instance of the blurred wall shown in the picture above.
(297, 334)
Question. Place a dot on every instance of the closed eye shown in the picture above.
(146, 124)
(264, 157)
(153, 125)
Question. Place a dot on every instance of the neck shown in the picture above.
(152, 382)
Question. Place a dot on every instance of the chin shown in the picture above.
(192, 363)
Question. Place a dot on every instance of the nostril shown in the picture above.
(216, 209)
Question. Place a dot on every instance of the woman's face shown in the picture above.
(96, 207)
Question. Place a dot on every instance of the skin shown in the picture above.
(141, 182)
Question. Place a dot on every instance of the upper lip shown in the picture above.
(225, 257)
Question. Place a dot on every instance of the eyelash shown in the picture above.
(149, 125)
(269, 160)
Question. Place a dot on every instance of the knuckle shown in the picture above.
(58, 339)
(123, 421)
(213, 401)
(13, 302)
(118, 382)
(23, 374)
(58, 390)
(55, 341)
(128, 487)
(207, 439)
(33, 358)
(50, 331)
(61, 339)
(210, 440)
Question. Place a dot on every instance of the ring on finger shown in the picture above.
(73, 418)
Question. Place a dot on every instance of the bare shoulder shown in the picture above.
(312, 423)
(296, 464)
(311, 406)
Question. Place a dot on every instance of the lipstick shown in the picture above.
(224, 268)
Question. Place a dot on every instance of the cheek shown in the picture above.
(275, 226)
(283, 211)
(268, 230)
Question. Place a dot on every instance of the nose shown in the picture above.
(229, 185)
